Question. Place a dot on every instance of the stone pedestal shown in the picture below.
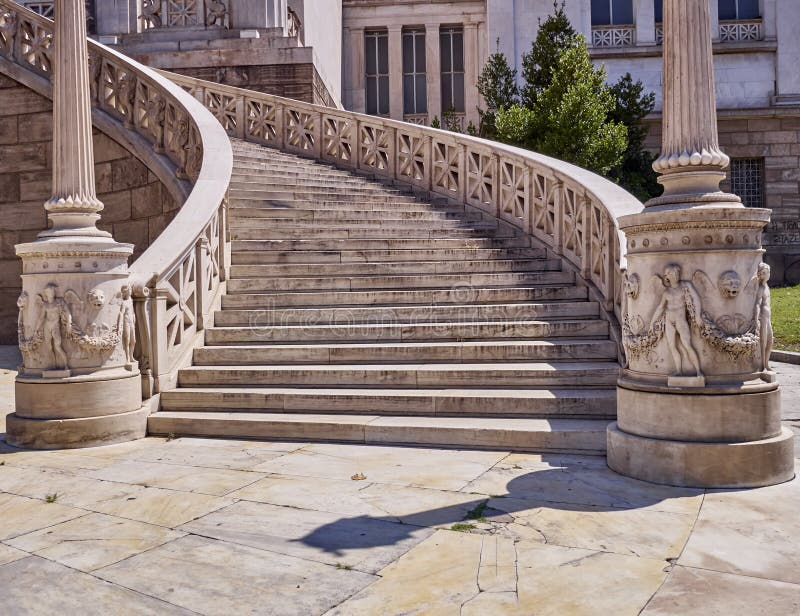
(697, 404)
(79, 384)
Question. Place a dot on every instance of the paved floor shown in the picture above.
(234, 527)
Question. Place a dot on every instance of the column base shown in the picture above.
(76, 433)
(702, 465)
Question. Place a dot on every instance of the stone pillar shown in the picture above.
(645, 22)
(357, 71)
(697, 404)
(433, 71)
(79, 384)
(396, 72)
(471, 69)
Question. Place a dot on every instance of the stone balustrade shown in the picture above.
(181, 274)
(571, 210)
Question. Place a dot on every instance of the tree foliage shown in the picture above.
(497, 84)
(567, 110)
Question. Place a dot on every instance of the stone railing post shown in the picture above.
(696, 319)
(79, 384)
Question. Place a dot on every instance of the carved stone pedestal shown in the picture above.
(79, 385)
(697, 403)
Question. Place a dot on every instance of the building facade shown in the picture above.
(414, 59)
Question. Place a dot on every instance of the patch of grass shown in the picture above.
(345, 567)
(170, 437)
(786, 317)
(476, 513)
(462, 527)
(51, 498)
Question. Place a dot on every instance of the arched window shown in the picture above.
(738, 9)
(612, 12)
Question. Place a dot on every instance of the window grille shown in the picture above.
(451, 48)
(377, 64)
(747, 180)
(415, 97)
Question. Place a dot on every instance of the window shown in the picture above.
(612, 12)
(451, 49)
(377, 63)
(747, 180)
(414, 87)
(658, 10)
(738, 9)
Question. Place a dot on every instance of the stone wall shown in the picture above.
(775, 138)
(137, 206)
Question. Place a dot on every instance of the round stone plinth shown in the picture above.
(697, 417)
(702, 465)
(76, 433)
(77, 397)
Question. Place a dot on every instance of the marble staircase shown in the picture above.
(362, 312)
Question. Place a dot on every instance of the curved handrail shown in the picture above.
(572, 210)
(180, 274)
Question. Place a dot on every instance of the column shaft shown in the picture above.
(433, 71)
(396, 72)
(74, 205)
(471, 68)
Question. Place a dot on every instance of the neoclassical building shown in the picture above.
(411, 59)
(415, 59)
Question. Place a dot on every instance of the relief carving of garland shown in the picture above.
(680, 312)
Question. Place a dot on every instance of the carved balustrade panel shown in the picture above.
(264, 122)
(302, 131)
(514, 191)
(601, 253)
(34, 45)
(447, 160)
(179, 289)
(572, 237)
(375, 152)
(545, 204)
(413, 157)
(223, 107)
(481, 179)
(338, 139)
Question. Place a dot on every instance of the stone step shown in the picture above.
(399, 352)
(261, 257)
(454, 402)
(408, 281)
(352, 245)
(289, 193)
(272, 183)
(553, 435)
(390, 269)
(263, 177)
(323, 216)
(424, 297)
(516, 374)
(405, 314)
(400, 204)
(365, 233)
(389, 224)
(393, 332)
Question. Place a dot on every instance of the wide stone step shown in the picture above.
(405, 314)
(475, 330)
(390, 268)
(399, 204)
(345, 283)
(453, 402)
(425, 297)
(288, 193)
(268, 184)
(367, 233)
(354, 245)
(531, 374)
(388, 224)
(324, 215)
(261, 257)
(554, 435)
(408, 352)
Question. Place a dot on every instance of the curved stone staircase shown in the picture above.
(360, 312)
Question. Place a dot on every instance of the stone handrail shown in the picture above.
(179, 276)
(571, 210)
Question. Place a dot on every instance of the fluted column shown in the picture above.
(79, 384)
(691, 162)
(697, 402)
(74, 207)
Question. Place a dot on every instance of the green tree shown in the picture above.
(570, 117)
(497, 84)
(555, 36)
(632, 106)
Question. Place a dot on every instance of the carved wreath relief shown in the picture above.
(73, 320)
(685, 311)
